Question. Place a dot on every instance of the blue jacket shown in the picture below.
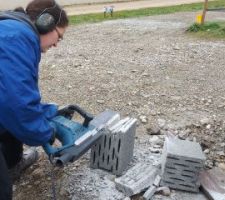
(21, 111)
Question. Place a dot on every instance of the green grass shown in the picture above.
(91, 18)
(209, 30)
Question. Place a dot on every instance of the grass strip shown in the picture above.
(208, 30)
(93, 18)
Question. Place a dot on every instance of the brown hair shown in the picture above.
(37, 7)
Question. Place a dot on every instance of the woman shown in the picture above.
(24, 34)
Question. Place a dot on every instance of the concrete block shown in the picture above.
(114, 150)
(182, 162)
(213, 183)
(137, 179)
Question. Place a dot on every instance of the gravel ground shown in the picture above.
(147, 68)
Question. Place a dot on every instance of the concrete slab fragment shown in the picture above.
(136, 179)
(213, 183)
(149, 193)
(157, 181)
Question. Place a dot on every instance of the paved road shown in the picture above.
(97, 8)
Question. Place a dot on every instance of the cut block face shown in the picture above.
(185, 148)
(114, 150)
(182, 162)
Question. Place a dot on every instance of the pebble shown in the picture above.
(221, 166)
(182, 135)
(208, 126)
(165, 191)
(176, 48)
(222, 144)
(161, 123)
(206, 151)
(209, 164)
(204, 121)
(63, 192)
(143, 119)
(153, 130)
(37, 182)
(14, 188)
(100, 101)
(157, 146)
(153, 150)
(220, 153)
(127, 198)
(154, 139)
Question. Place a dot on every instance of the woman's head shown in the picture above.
(50, 19)
(37, 8)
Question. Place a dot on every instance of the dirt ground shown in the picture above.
(148, 68)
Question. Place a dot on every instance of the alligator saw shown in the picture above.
(76, 138)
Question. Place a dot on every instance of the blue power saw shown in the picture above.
(76, 138)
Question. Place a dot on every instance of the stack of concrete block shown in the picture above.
(137, 179)
(114, 150)
(182, 162)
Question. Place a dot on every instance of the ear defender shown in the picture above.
(45, 23)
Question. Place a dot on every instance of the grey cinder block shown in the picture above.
(136, 179)
(182, 162)
(114, 150)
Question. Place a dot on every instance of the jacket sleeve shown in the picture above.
(21, 110)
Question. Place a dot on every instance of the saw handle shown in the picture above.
(87, 116)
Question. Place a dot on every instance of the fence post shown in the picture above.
(204, 11)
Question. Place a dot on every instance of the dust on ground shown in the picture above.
(148, 68)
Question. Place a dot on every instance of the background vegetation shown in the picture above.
(90, 18)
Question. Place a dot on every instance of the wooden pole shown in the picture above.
(204, 11)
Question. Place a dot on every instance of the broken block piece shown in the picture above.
(213, 183)
(136, 179)
(149, 193)
(182, 162)
(157, 181)
(114, 150)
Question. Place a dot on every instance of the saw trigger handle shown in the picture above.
(87, 116)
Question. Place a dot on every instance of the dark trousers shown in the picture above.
(11, 151)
